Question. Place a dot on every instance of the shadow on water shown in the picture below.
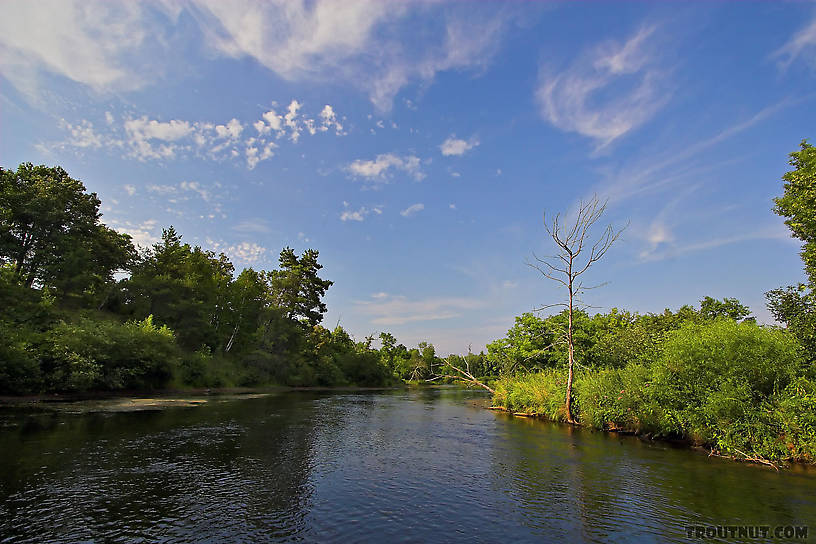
(401, 466)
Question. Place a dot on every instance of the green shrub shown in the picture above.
(19, 368)
(711, 375)
(92, 354)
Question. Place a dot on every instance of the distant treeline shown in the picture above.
(181, 316)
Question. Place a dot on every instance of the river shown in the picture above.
(426, 465)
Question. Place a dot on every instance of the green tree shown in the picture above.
(184, 287)
(795, 306)
(711, 308)
(296, 287)
(51, 234)
(798, 204)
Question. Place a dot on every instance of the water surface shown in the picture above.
(397, 466)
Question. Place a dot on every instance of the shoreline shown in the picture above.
(677, 442)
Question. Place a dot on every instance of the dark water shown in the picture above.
(403, 466)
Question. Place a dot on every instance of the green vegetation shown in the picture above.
(180, 316)
(710, 376)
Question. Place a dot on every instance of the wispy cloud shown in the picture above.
(454, 146)
(380, 169)
(256, 225)
(775, 232)
(413, 209)
(803, 43)
(356, 40)
(385, 309)
(665, 169)
(91, 43)
(609, 91)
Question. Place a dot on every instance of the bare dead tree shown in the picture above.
(463, 373)
(570, 263)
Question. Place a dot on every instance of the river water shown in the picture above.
(396, 466)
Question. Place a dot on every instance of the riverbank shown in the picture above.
(738, 415)
(677, 442)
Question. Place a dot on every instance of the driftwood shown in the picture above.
(745, 457)
(463, 375)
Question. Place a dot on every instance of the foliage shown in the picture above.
(539, 393)
(738, 388)
(618, 399)
(796, 308)
(50, 232)
(19, 367)
(711, 376)
(798, 204)
(297, 288)
(100, 354)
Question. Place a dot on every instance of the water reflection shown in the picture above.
(401, 466)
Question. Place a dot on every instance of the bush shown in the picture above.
(91, 354)
(19, 368)
(712, 375)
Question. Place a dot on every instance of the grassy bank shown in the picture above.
(737, 389)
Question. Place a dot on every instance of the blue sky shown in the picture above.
(416, 145)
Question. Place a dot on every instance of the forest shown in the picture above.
(84, 310)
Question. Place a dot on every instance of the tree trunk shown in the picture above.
(571, 351)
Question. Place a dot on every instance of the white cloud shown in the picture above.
(776, 232)
(385, 309)
(657, 236)
(122, 46)
(454, 146)
(247, 253)
(802, 42)
(354, 215)
(91, 43)
(377, 170)
(354, 40)
(329, 120)
(143, 234)
(663, 169)
(145, 129)
(130, 189)
(230, 131)
(147, 139)
(580, 98)
(184, 191)
(413, 209)
(81, 135)
(253, 225)
(360, 214)
(290, 120)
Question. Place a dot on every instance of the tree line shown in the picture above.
(81, 308)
